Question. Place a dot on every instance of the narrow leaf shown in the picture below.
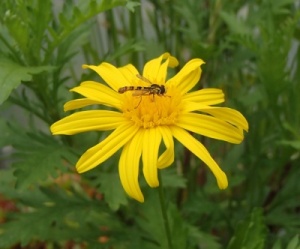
(12, 74)
(250, 233)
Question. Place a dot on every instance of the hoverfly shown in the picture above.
(144, 90)
(153, 89)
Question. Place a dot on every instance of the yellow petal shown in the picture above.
(210, 127)
(229, 115)
(105, 149)
(110, 74)
(87, 121)
(98, 92)
(207, 96)
(187, 77)
(167, 157)
(188, 107)
(156, 71)
(201, 152)
(151, 142)
(129, 72)
(129, 167)
(79, 103)
(160, 78)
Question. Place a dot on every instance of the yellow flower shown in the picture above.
(143, 117)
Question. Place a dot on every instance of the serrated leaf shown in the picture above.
(287, 198)
(130, 46)
(65, 216)
(17, 25)
(249, 234)
(6, 181)
(36, 157)
(278, 6)
(77, 12)
(151, 221)
(64, 21)
(202, 239)
(38, 164)
(5, 133)
(236, 25)
(109, 4)
(112, 189)
(172, 179)
(12, 74)
(183, 235)
(131, 5)
(82, 13)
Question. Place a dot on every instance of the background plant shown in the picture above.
(251, 52)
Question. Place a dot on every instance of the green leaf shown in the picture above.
(6, 133)
(183, 234)
(38, 164)
(57, 216)
(294, 243)
(130, 46)
(236, 25)
(114, 195)
(16, 22)
(289, 127)
(277, 245)
(105, 5)
(131, 5)
(278, 6)
(75, 19)
(37, 156)
(202, 239)
(171, 178)
(7, 180)
(179, 230)
(151, 220)
(249, 234)
(294, 144)
(12, 74)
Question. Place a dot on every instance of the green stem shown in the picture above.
(133, 33)
(113, 33)
(141, 31)
(214, 21)
(164, 211)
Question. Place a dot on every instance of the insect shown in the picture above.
(153, 89)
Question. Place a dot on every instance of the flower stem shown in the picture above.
(164, 211)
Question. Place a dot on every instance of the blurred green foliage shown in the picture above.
(251, 49)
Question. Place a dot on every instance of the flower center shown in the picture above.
(152, 110)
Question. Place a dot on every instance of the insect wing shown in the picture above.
(144, 79)
(141, 92)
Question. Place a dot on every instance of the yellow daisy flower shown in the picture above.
(149, 110)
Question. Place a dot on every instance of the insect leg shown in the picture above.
(139, 102)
